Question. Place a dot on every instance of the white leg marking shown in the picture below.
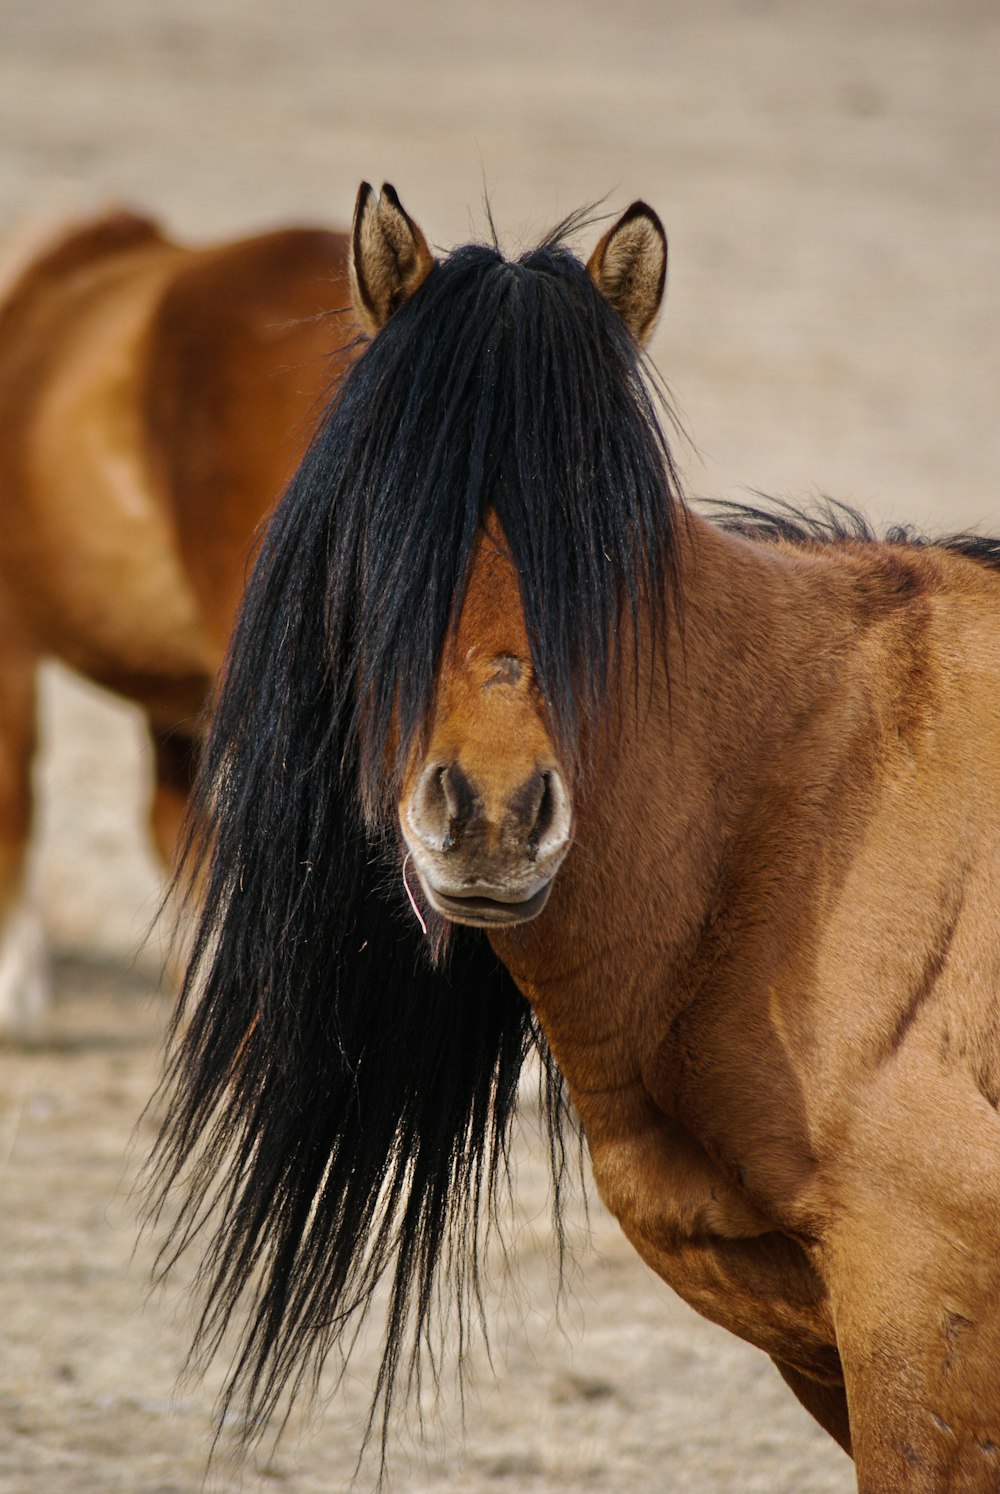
(25, 977)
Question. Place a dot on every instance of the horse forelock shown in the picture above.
(503, 386)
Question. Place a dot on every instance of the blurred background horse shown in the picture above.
(154, 398)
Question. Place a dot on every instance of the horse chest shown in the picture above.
(698, 1232)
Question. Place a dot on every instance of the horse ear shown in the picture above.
(389, 257)
(629, 268)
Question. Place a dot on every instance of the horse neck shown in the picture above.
(756, 667)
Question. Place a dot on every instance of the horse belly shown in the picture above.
(90, 550)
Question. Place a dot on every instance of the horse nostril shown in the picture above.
(442, 806)
(543, 817)
(458, 793)
(546, 809)
(541, 807)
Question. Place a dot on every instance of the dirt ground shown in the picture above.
(828, 175)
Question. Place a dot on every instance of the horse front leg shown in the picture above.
(919, 1338)
(826, 1403)
(24, 967)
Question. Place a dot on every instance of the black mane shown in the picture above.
(831, 522)
(342, 1100)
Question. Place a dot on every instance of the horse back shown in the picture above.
(239, 368)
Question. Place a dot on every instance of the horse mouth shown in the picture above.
(483, 912)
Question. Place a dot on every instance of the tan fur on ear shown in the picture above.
(629, 268)
(389, 257)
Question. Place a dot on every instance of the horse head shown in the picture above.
(486, 805)
(486, 809)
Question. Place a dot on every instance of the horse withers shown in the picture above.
(154, 399)
(514, 748)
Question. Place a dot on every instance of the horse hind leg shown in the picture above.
(176, 758)
(176, 755)
(24, 967)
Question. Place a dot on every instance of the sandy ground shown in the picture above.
(828, 175)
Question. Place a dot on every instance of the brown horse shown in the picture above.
(153, 401)
(722, 796)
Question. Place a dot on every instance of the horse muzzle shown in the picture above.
(487, 856)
